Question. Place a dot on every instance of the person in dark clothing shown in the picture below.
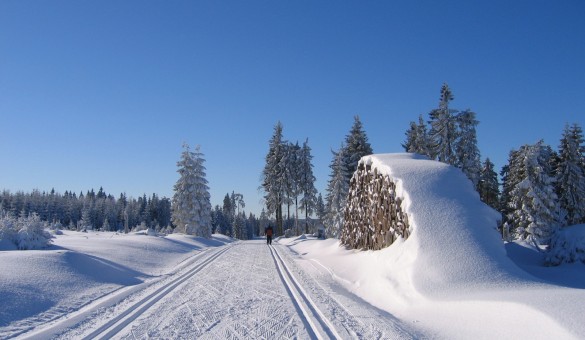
(269, 233)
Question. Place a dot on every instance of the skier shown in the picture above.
(268, 233)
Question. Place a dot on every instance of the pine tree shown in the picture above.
(417, 138)
(443, 133)
(320, 207)
(570, 175)
(307, 183)
(410, 145)
(356, 147)
(191, 201)
(274, 177)
(337, 190)
(467, 152)
(488, 186)
(291, 164)
(533, 202)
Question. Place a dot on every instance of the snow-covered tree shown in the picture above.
(307, 183)
(410, 144)
(26, 233)
(292, 173)
(443, 133)
(467, 152)
(337, 189)
(533, 203)
(273, 177)
(321, 210)
(191, 201)
(417, 138)
(356, 147)
(567, 246)
(571, 175)
(488, 186)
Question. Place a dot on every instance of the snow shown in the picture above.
(38, 286)
(453, 278)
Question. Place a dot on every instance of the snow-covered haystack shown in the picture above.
(454, 242)
(373, 217)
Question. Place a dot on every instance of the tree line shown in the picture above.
(90, 210)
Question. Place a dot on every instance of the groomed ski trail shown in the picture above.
(244, 290)
(239, 296)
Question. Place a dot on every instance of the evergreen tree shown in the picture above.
(191, 201)
(228, 216)
(291, 163)
(274, 177)
(320, 207)
(467, 152)
(533, 202)
(356, 147)
(488, 186)
(410, 145)
(417, 138)
(443, 133)
(307, 183)
(337, 190)
(570, 175)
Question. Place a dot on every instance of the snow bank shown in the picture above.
(452, 276)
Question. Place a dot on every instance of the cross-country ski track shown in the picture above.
(243, 290)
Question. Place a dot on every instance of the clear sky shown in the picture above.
(104, 93)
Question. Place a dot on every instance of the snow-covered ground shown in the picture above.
(452, 278)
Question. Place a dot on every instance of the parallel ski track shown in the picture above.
(114, 326)
(320, 326)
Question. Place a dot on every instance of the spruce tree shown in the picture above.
(191, 201)
(307, 183)
(570, 175)
(467, 152)
(533, 203)
(417, 138)
(337, 190)
(321, 211)
(274, 177)
(356, 147)
(488, 186)
(443, 133)
(410, 145)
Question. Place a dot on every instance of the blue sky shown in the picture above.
(104, 93)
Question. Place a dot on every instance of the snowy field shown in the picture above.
(452, 278)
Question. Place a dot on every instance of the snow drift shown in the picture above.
(453, 276)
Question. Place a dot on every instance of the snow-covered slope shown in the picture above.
(452, 276)
(37, 286)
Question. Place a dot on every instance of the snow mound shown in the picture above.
(454, 245)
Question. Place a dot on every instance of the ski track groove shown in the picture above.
(322, 327)
(118, 323)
